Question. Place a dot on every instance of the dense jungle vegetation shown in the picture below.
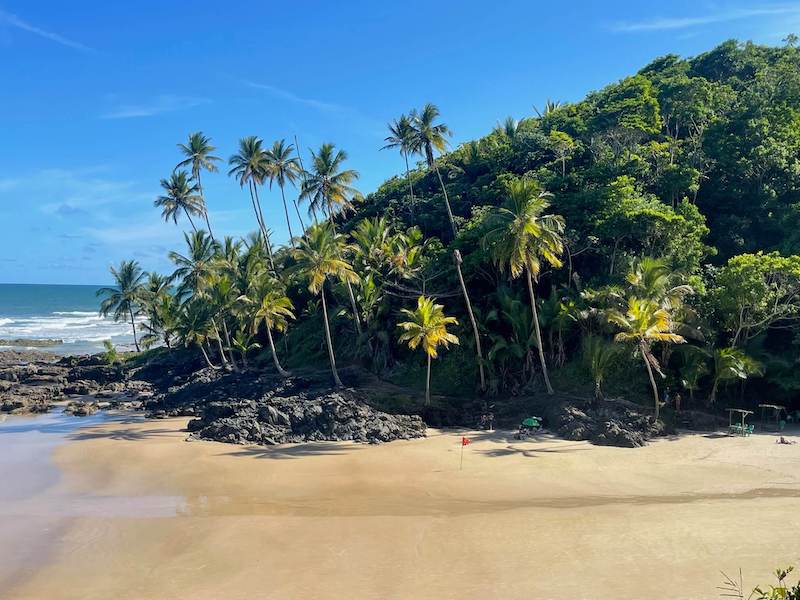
(644, 239)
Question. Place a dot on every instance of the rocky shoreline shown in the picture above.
(258, 407)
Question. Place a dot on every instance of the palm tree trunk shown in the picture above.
(133, 326)
(538, 331)
(713, 397)
(230, 346)
(278, 366)
(208, 360)
(205, 206)
(262, 226)
(188, 216)
(410, 185)
(219, 343)
(446, 200)
(428, 382)
(475, 332)
(644, 352)
(297, 210)
(286, 212)
(331, 355)
(303, 173)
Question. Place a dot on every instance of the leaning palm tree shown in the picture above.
(327, 186)
(123, 300)
(274, 309)
(427, 327)
(249, 165)
(180, 196)
(643, 323)
(197, 152)
(429, 137)
(520, 237)
(401, 136)
(318, 257)
(283, 168)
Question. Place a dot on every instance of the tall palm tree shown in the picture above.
(645, 322)
(401, 136)
(283, 168)
(428, 137)
(123, 300)
(197, 152)
(427, 327)
(318, 257)
(249, 165)
(328, 187)
(180, 196)
(274, 309)
(521, 237)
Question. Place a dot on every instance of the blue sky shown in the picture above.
(95, 95)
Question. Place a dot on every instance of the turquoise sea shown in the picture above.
(65, 312)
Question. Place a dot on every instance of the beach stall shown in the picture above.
(736, 421)
(772, 413)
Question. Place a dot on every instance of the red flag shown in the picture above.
(465, 441)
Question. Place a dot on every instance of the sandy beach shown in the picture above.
(140, 513)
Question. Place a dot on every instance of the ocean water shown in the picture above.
(63, 312)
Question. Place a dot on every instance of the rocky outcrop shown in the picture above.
(31, 381)
(81, 408)
(332, 415)
(605, 423)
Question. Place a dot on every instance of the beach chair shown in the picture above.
(749, 430)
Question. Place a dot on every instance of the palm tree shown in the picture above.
(250, 166)
(508, 128)
(274, 309)
(521, 237)
(198, 156)
(284, 168)
(401, 136)
(328, 187)
(180, 195)
(194, 327)
(318, 256)
(731, 364)
(549, 106)
(599, 355)
(643, 323)
(196, 264)
(123, 300)
(427, 326)
(156, 301)
(430, 136)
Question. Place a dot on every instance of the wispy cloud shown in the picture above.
(733, 14)
(70, 193)
(12, 20)
(292, 97)
(159, 105)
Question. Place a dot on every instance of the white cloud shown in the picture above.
(14, 21)
(158, 105)
(674, 23)
(291, 97)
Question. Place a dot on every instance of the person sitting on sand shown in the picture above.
(783, 440)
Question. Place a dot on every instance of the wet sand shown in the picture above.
(140, 513)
